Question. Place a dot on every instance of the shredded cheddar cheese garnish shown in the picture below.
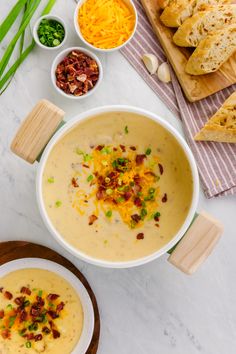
(106, 24)
(122, 181)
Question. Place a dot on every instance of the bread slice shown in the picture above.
(212, 51)
(179, 10)
(222, 126)
(197, 27)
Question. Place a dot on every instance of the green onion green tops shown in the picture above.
(51, 33)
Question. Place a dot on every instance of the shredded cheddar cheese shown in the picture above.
(106, 24)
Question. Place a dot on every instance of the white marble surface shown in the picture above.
(153, 309)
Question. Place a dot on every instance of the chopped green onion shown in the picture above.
(79, 152)
(109, 213)
(28, 345)
(11, 320)
(87, 157)
(120, 199)
(51, 33)
(143, 213)
(90, 178)
(151, 190)
(40, 293)
(106, 150)
(126, 129)
(157, 215)
(33, 327)
(58, 203)
(51, 180)
(9, 306)
(109, 191)
(148, 151)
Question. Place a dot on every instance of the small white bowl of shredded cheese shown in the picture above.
(105, 26)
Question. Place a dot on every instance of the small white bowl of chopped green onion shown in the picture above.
(50, 32)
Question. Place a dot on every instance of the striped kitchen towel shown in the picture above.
(216, 161)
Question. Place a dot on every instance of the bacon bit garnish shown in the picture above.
(137, 179)
(60, 307)
(92, 219)
(38, 337)
(55, 334)
(35, 310)
(53, 314)
(74, 183)
(25, 290)
(132, 148)
(138, 202)
(19, 300)
(157, 225)
(140, 158)
(136, 217)
(100, 193)
(127, 195)
(52, 297)
(29, 336)
(84, 165)
(99, 147)
(140, 236)
(123, 148)
(46, 330)
(6, 333)
(1, 314)
(164, 198)
(137, 188)
(156, 218)
(8, 295)
(1, 289)
(161, 169)
(40, 301)
(23, 316)
(115, 149)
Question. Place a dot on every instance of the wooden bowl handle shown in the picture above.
(36, 130)
(197, 243)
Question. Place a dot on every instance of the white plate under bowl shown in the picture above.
(39, 263)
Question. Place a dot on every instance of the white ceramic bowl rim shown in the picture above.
(39, 263)
(109, 109)
(60, 56)
(77, 28)
(36, 26)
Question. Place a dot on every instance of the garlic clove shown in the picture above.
(151, 62)
(163, 73)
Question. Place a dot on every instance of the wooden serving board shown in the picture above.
(12, 250)
(194, 87)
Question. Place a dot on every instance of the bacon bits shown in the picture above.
(140, 158)
(136, 218)
(55, 334)
(6, 333)
(1, 314)
(46, 330)
(38, 337)
(164, 198)
(52, 297)
(92, 219)
(60, 307)
(8, 295)
(140, 236)
(132, 148)
(74, 183)
(161, 169)
(138, 202)
(77, 73)
(25, 290)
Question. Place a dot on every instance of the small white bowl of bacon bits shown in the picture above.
(76, 73)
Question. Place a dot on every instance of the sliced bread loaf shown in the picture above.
(197, 27)
(222, 126)
(179, 10)
(212, 51)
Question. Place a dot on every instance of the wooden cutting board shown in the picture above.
(12, 250)
(194, 87)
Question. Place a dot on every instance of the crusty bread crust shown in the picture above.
(197, 27)
(212, 51)
(221, 127)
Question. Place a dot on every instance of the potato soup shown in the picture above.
(40, 312)
(117, 186)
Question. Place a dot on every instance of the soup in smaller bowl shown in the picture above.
(40, 312)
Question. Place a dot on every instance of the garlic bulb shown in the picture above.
(151, 62)
(163, 73)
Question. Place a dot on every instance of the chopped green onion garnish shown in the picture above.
(51, 180)
(51, 33)
(11, 321)
(9, 306)
(109, 191)
(90, 178)
(87, 157)
(40, 293)
(143, 213)
(126, 129)
(106, 150)
(148, 151)
(157, 215)
(28, 345)
(151, 190)
(58, 203)
(120, 199)
(109, 213)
